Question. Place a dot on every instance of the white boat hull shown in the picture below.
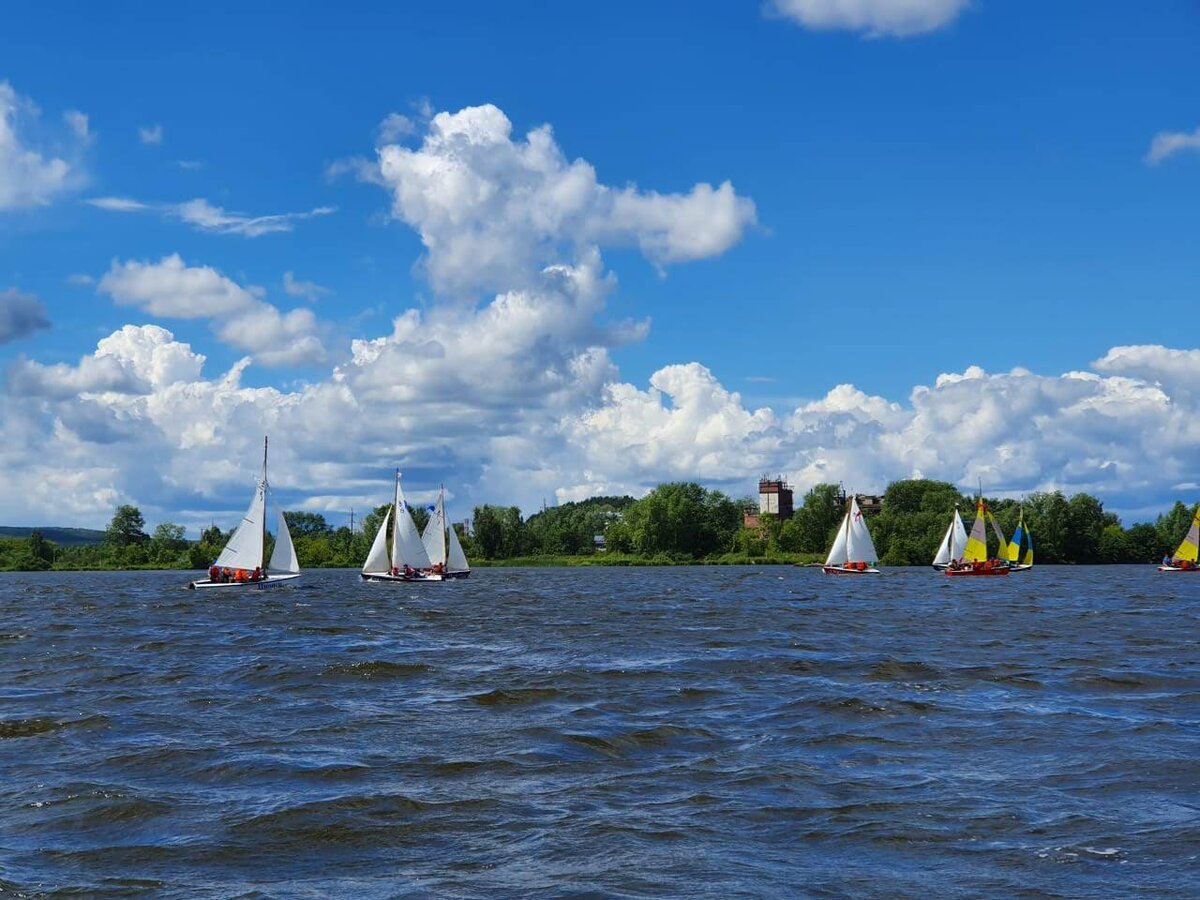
(1177, 569)
(1020, 567)
(407, 579)
(843, 570)
(205, 584)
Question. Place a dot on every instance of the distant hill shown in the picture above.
(65, 537)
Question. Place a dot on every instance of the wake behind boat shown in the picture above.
(853, 551)
(240, 564)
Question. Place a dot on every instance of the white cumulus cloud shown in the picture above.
(492, 211)
(875, 18)
(172, 289)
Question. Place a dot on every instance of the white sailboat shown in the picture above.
(853, 551)
(953, 544)
(240, 564)
(407, 559)
(442, 544)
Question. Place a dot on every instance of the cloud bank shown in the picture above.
(504, 387)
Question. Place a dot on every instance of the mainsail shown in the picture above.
(953, 543)
(434, 538)
(1190, 547)
(407, 549)
(1002, 541)
(976, 549)
(1014, 546)
(245, 547)
(853, 542)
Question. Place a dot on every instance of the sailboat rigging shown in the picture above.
(241, 561)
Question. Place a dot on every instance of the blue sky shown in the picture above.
(970, 189)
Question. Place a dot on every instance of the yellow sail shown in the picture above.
(1191, 544)
(976, 550)
(1014, 546)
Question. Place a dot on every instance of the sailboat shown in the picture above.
(406, 559)
(975, 560)
(953, 543)
(853, 551)
(240, 564)
(1017, 562)
(1184, 558)
(442, 545)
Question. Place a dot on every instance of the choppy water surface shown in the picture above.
(703, 732)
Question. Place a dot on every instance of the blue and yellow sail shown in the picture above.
(1014, 546)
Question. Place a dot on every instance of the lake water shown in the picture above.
(700, 732)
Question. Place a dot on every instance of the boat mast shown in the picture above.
(263, 488)
(953, 534)
(849, 506)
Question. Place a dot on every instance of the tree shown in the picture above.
(1086, 524)
(682, 519)
(303, 524)
(816, 519)
(127, 527)
(485, 522)
(40, 548)
(1145, 544)
(170, 535)
(1172, 526)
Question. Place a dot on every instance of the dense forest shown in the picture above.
(678, 522)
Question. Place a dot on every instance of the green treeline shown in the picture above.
(674, 523)
(684, 522)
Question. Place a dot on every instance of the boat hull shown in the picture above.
(993, 572)
(1178, 569)
(205, 584)
(1021, 567)
(407, 579)
(842, 570)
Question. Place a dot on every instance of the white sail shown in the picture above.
(434, 538)
(953, 543)
(245, 547)
(283, 558)
(944, 556)
(837, 553)
(407, 549)
(377, 559)
(457, 560)
(860, 547)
